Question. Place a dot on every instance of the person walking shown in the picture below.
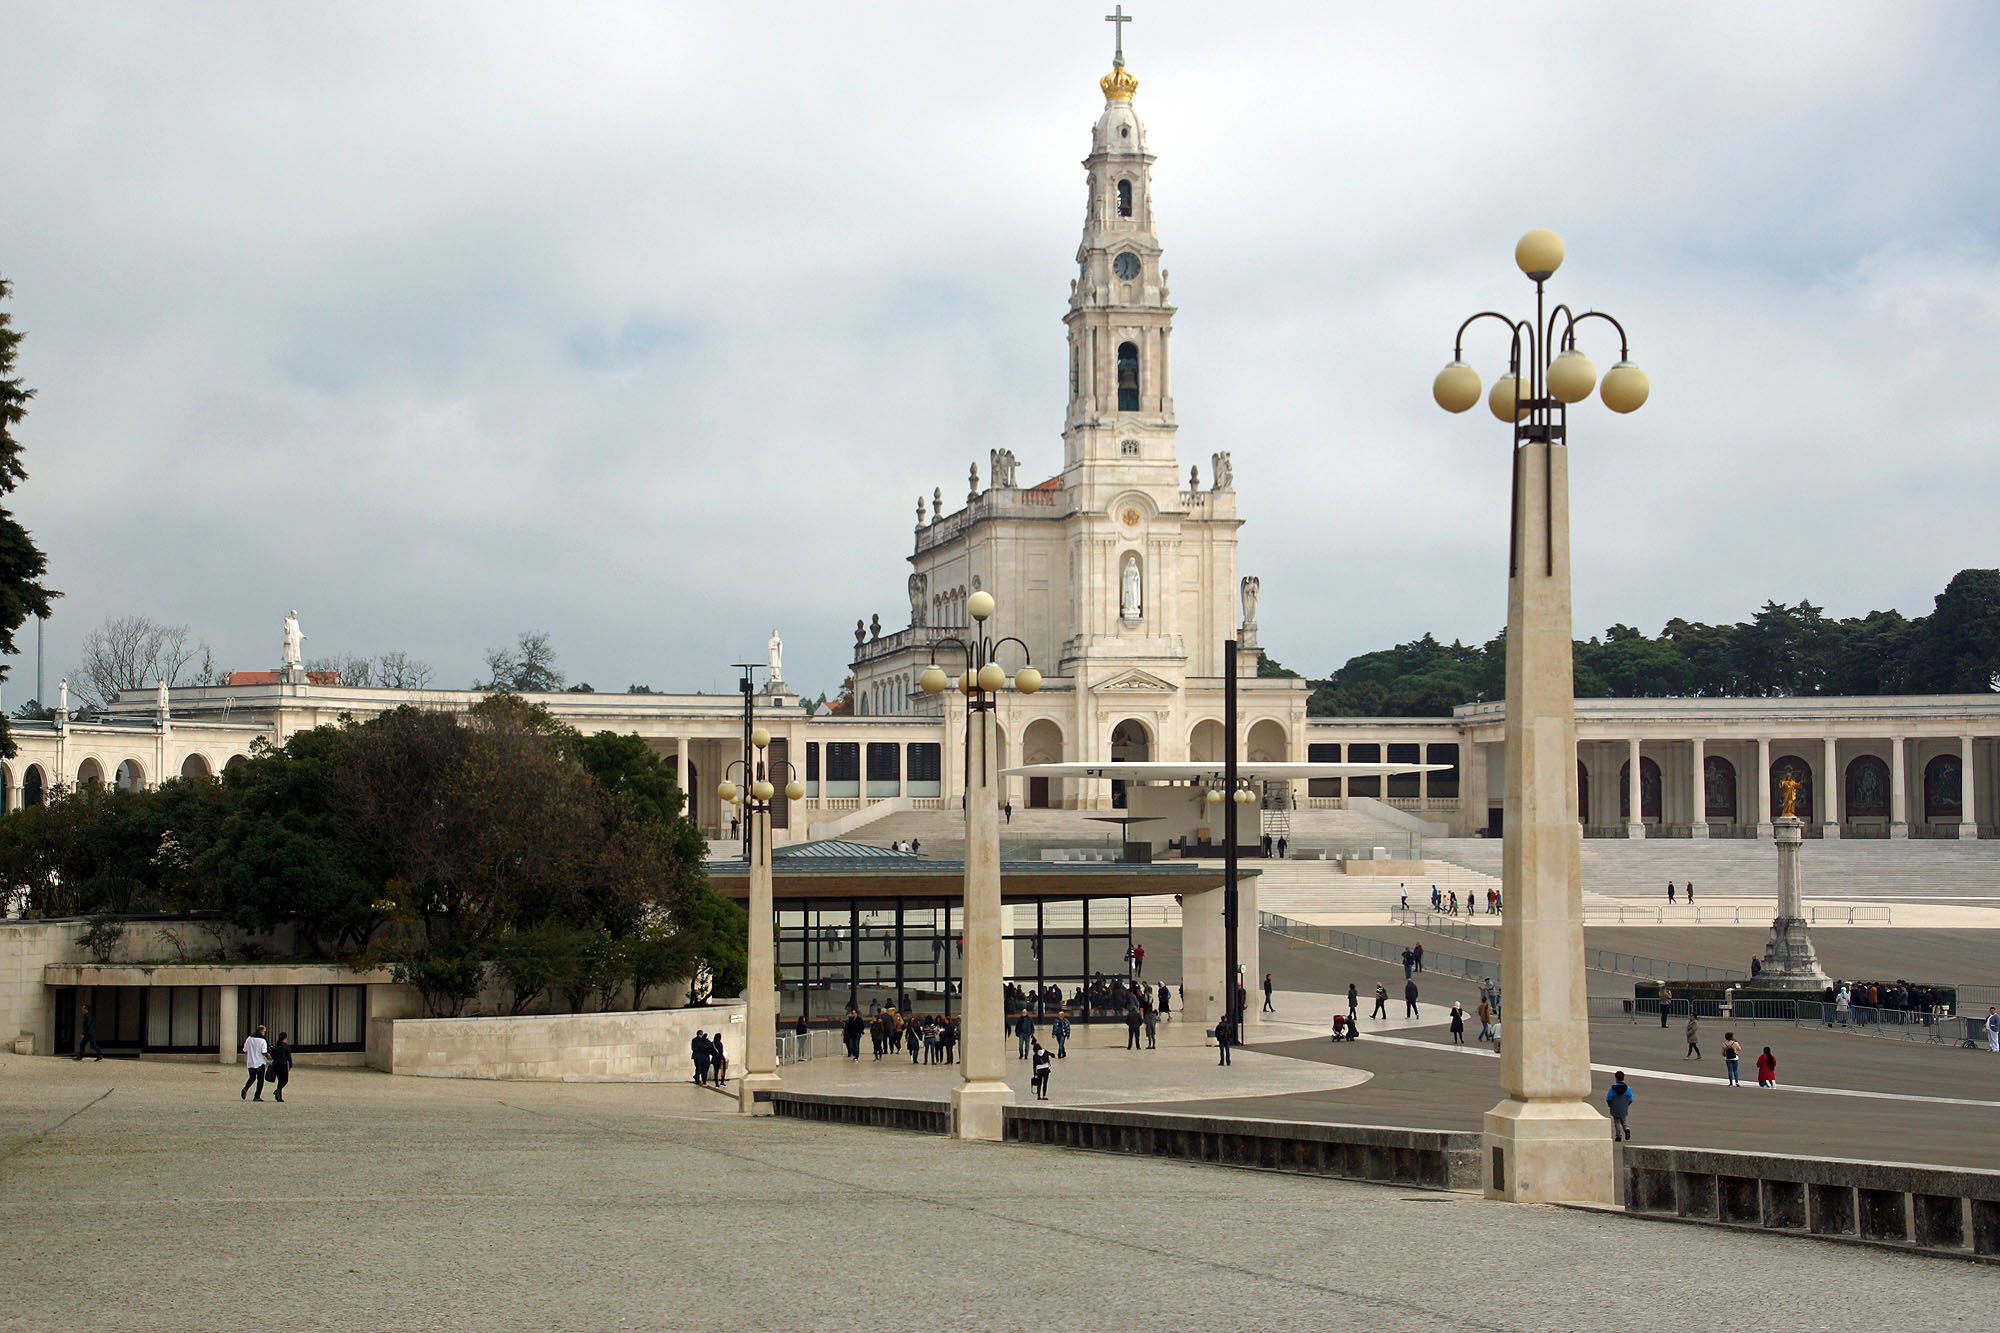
(1281, 849)
(1417, 951)
(1485, 1020)
(1041, 1065)
(1732, 1058)
(1381, 1009)
(256, 1055)
(1409, 999)
(1670, 893)
(1694, 1038)
(1666, 1005)
(1166, 1002)
(1138, 960)
(1353, 1002)
(281, 1066)
(1409, 964)
(1225, 1035)
(1060, 1031)
(1024, 1030)
(1269, 1008)
(1009, 808)
(1688, 892)
(850, 1034)
(1618, 1101)
(699, 1049)
(86, 1034)
(1767, 1069)
(1457, 1024)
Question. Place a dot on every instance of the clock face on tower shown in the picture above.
(1126, 265)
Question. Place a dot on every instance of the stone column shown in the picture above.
(1635, 820)
(760, 993)
(1202, 953)
(1543, 1143)
(1698, 784)
(1968, 810)
(977, 1102)
(1763, 786)
(1829, 792)
(226, 1019)
(1899, 826)
(1789, 960)
(1471, 786)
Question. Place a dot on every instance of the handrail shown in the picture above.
(1470, 969)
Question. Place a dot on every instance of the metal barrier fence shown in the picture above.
(1895, 1024)
(1727, 914)
(812, 1044)
(1600, 960)
(1434, 961)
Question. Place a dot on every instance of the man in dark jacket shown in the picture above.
(700, 1050)
(86, 1034)
(1024, 1031)
(1225, 1036)
(1409, 999)
(280, 1060)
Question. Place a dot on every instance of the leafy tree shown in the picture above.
(1959, 649)
(21, 561)
(1269, 668)
(531, 961)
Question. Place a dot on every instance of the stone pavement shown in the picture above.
(378, 1203)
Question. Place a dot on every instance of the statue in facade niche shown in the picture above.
(919, 584)
(1788, 795)
(1250, 588)
(775, 649)
(1224, 473)
(1128, 589)
(294, 641)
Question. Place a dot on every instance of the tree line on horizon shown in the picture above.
(1781, 651)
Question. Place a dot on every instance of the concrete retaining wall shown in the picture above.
(1413, 1158)
(643, 1047)
(1938, 1210)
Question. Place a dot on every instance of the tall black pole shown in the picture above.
(1230, 1008)
(748, 776)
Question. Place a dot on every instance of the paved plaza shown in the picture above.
(145, 1196)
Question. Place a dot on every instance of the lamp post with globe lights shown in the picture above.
(978, 1102)
(1544, 1143)
(760, 993)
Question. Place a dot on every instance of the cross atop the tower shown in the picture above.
(1119, 18)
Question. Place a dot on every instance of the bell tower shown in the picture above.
(1118, 434)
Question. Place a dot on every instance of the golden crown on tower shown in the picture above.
(1118, 85)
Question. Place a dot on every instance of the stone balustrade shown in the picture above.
(1938, 1210)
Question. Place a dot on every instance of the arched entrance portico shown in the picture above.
(1042, 743)
(130, 777)
(34, 786)
(1131, 743)
(89, 771)
(1207, 743)
(196, 766)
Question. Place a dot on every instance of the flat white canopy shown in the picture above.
(1212, 772)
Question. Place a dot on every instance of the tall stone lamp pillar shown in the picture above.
(760, 992)
(1544, 1142)
(1789, 960)
(979, 1102)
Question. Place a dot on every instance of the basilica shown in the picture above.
(1117, 578)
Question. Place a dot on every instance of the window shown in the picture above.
(1323, 753)
(926, 768)
(1404, 785)
(885, 762)
(1128, 377)
(843, 768)
(812, 768)
(1124, 199)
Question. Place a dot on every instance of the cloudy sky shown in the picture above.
(646, 324)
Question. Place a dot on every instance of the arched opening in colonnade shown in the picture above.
(1649, 790)
(1718, 787)
(1131, 743)
(129, 777)
(1042, 743)
(89, 771)
(1944, 790)
(235, 760)
(197, 766)
(34, 786)
(1207, 743)
(1868, 788)
(1799, 771)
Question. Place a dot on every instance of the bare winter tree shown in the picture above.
(400, 671)
(529, 667)
(136, 652)
(350, 669)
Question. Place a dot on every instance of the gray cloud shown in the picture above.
(646, 324)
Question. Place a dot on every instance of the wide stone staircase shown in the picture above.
(1914, 870)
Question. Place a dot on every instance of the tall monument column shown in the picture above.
(1968, 809)
(1635, 818)
(1789, 960)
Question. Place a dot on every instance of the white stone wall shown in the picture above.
(645, 1047)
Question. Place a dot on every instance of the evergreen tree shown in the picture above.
(21, 562)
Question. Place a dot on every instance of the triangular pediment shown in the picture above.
(1134, 682)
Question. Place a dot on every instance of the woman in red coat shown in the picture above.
(1767, 1069)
